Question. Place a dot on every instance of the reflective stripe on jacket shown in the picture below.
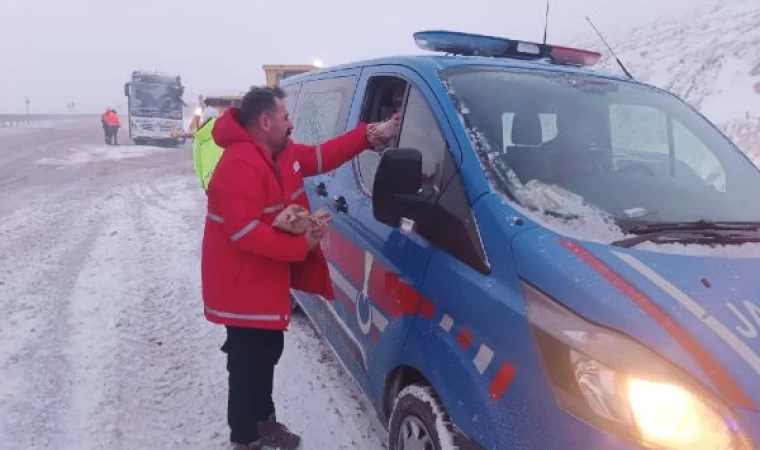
(248, 267)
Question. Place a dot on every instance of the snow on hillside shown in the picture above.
(709, 56)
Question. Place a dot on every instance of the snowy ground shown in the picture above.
(102, 339)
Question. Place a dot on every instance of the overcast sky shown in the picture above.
(57, 51)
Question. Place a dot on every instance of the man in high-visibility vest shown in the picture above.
(206, 153)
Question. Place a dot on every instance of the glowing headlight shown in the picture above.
(670, 416)
(618, 385)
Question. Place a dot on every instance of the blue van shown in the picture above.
(548, 258)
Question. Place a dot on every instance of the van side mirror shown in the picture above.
(398, 180)
(402, 199)
(126, 89)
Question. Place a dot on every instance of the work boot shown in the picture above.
(276, 435)
(252, 446)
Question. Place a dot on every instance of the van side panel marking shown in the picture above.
(502, 381)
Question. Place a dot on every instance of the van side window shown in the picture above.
(322, 109)
(420, 131)
(291, 97)
(385, 96)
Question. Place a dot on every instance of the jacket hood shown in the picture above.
(228, 131)
(203, 134)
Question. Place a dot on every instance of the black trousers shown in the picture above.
(252, 355)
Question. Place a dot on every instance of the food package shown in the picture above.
(320, 220)
(294, 219)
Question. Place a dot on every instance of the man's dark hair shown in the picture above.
(257, 101)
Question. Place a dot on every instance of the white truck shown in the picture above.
(155, 108)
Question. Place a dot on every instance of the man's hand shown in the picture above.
(294, 219)
(383, 134)
(320, 225)
(313, 238)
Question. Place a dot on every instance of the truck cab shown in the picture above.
(155, 108)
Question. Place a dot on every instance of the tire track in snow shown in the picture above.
(164, 336)
(105, 269)
(101, 292)
(40, 374)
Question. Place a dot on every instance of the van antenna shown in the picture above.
(620, 63)
(546, 23)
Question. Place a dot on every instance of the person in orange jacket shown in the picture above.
(248, 265)
(113, 123)
(104, 123)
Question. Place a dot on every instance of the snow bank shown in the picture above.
(8, 129)
(708, 56)
(84, 154)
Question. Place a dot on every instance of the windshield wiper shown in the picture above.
(696, 232)
(639, 227)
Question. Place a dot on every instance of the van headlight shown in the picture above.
(611, 381)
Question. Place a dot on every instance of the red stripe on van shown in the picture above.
(345, 256)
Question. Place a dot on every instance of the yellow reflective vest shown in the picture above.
(206, 153)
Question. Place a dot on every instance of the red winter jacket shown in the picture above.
(247, 266)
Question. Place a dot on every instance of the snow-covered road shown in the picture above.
(102, 339)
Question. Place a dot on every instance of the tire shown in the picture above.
(419, 418)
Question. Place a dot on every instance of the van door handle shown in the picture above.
(340, 203)
(321, 190)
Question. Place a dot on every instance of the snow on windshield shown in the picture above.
(535, 199)
(569, 214)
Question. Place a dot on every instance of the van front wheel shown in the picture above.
(419, 421)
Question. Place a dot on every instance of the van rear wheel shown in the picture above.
(419, 421)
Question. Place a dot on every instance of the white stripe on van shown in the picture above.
(342, 283)
(723, 332)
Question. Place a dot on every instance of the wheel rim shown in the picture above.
(414, 435)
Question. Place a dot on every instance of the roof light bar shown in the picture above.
(468, 44)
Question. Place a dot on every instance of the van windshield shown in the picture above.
(633, 152)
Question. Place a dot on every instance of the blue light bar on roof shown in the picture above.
(468, 44)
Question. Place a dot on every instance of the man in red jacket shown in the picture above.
(248, 266)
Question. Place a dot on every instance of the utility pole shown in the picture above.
(26, 100)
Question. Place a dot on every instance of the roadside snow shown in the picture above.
(103, 343)
(86, 154)
(708, 56)
(734, 86)
(26, 128)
